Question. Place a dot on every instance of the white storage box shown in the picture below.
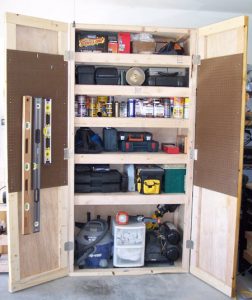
(129, 244)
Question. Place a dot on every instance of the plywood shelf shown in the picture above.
(131, 198)
(4, 263)
(3, 240)
(131, 122)
(133, 91)
(130, 158)
(141, 60)
(154, 269)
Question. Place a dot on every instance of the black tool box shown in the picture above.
(134, 136)
(155, 77)
(149, 179)
(85, 75)
(91, 42)
(88, 181)
(146, 146)
(106, 76)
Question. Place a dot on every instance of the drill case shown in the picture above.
(146, 146)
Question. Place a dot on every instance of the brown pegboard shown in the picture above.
(42, 75)
(218, 124)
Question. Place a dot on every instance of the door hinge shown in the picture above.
(67, 154)
(2, 122)
(69, 246)
(69, 55)
(196, 60)
(194, 154)
(189, 244)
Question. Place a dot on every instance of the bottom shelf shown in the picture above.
(4, 268)
(148, 269)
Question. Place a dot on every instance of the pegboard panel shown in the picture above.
(41, 75)
(218, 124)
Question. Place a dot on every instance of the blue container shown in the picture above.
(131, 112)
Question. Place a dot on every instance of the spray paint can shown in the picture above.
(92, 107)
(82, 109)
(167, 108)
(123, 109)
(131, 108)
(117, 109)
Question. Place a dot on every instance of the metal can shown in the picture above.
(117, 109)
(186, 108)
(138, 108)
(82, 109)
(76, 110)
(101, 106)
(148, 108)
(131, 108)
(123, 109)
(158, 109)
(109, 106)
(167, 108)
(92, 112)
(178, 110)
(171, 107)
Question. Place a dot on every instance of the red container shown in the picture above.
(170, 149)
(123, 42)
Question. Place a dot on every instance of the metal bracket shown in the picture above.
(67, 154)
(2, 122)
(196, 60)
(189, 244)
(194, 154)
(69, 246)
(69, 55)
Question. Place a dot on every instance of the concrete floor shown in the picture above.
(147, 287)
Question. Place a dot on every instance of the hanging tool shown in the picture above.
(26, 166)
(47, 127)
(37, 103)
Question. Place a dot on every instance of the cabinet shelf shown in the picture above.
(140, 60)
(130, 158)
(134, 91)
(131, 122)
(131, 198)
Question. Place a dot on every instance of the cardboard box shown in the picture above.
(123, 42)
(143, 47)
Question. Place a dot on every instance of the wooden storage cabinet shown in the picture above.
(209, 210)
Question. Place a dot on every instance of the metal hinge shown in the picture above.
(69, 55)
(196, 60)
(67, 154)
(2, 122)
(189, 244)
(69, 246)
(194, 154)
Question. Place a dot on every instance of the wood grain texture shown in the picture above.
(218, 123)
(214, 235)
(40, 252)
(42, 75)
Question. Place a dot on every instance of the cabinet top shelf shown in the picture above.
(141, 60)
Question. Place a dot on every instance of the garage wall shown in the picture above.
(102, 12)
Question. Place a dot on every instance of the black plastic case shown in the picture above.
(147, 146)
(110, 141)
(106, 76)
(85, 75)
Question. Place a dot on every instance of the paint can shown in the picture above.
(178, 110)
(82, 109)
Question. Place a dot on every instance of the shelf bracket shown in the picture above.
(69, 55)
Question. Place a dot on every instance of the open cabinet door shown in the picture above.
(35, 66)
(220, 115)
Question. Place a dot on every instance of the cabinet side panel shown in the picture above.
(218, 123)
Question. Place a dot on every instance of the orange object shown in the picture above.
(112, 47)
(122, 218)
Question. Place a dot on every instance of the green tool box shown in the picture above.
(174, 178)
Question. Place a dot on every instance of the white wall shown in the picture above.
(104, 12)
